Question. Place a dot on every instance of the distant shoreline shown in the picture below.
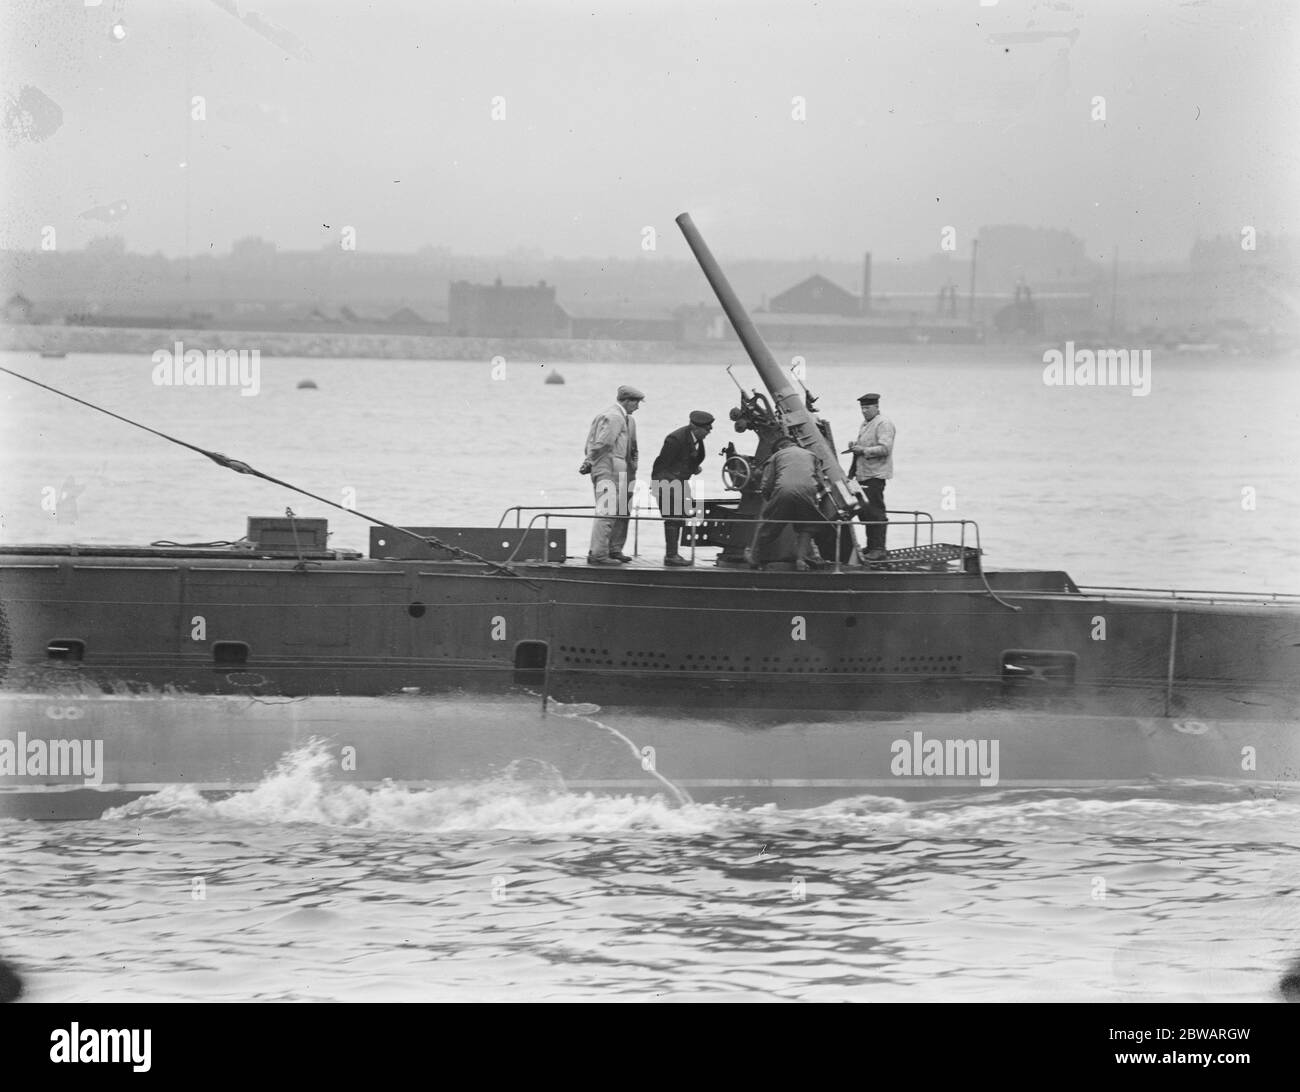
(415, 347)
(372, 346)
(103, 339)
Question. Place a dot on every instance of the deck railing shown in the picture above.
(921, 520)
(638, 513)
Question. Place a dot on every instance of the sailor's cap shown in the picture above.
(869, 399)
(630, 392)
(701, 418)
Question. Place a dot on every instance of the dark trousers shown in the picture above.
(798, 511)
(672, 536)
(675, 499)
(875, 510)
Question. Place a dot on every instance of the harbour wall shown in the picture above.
(395, 346)
(282, 343)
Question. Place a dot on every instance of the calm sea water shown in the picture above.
(305, 889)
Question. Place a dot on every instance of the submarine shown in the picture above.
(453, 654)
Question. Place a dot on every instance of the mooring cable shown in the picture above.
(243, 468)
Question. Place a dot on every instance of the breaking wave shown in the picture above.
(532, 796)
(526, 796)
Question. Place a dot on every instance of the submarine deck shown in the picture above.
(909, 575)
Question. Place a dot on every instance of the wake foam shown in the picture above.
(1172, 809)
(526, 796)
(530, 795)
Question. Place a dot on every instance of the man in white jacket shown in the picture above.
(873, 465)
(611, 462)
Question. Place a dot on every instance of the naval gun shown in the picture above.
(790, 411)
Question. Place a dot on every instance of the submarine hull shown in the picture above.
(205, 671)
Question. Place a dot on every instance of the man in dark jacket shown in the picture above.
(679, 461)
(792, 496)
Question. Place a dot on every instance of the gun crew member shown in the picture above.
(681, 458)
(790, 488)
(873, 465)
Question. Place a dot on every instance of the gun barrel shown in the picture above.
(802, 425)
(773, 378)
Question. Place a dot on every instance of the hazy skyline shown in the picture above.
(379, 117)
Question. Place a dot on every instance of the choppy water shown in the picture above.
(308, 890)
(303, 890)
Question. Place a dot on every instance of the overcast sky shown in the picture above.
(329, 113)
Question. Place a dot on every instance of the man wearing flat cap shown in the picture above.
(611, 462)
(680, 460)
(873, 465)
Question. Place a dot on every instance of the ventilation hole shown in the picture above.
(66, 649)
(1032, 670)
(225, 653)
(530, 662)
(416, 610)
